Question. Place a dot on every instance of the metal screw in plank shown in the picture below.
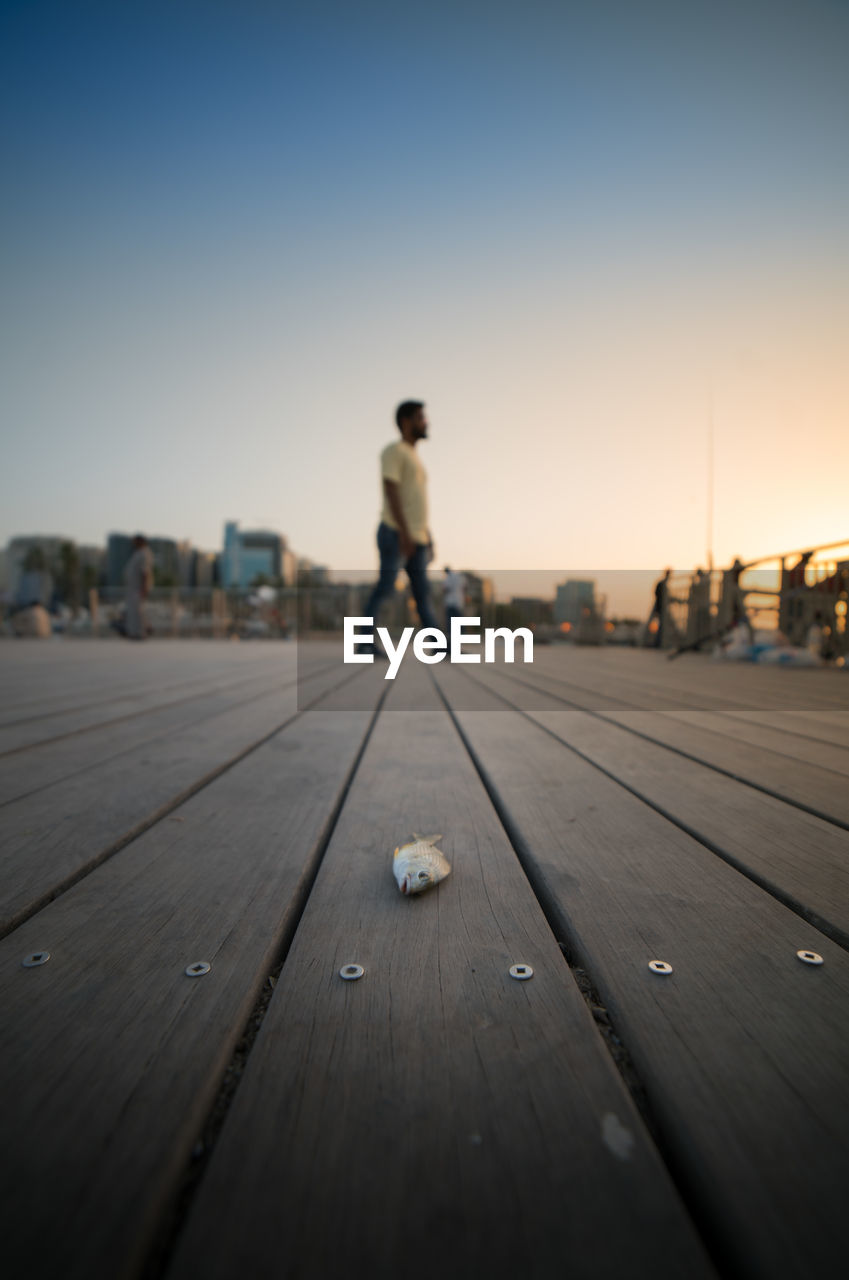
(350, 972)
(521, 971)
(809, 957)
(36, 958)
(660, 966)
(197, 969)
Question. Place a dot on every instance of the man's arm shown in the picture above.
(393, 495)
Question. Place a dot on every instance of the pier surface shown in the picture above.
(176, 805)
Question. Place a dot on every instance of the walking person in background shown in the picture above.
(658, 610)
(139, 580)
(698, 609)
(403, 536)
(739, 612)
(453, 596)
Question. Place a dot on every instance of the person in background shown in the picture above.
(453, 596)
(139, 575)
(739, 612)
(658, 609)
(698, 609)
(403, 536)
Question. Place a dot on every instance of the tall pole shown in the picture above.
(710, 478)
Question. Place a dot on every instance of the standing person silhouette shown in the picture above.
(658, 610)
(403, 536)
(139, 574)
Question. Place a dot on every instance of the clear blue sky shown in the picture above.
(236, 234)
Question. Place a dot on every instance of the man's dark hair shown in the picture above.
(406, 410)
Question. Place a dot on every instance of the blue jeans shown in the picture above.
(389, 546)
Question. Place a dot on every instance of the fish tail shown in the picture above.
(427, 839)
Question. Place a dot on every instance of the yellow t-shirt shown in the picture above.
(399, 462)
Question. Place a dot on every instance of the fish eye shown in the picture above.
(423, 875)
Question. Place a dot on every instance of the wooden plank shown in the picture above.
(743, 1050)
(818, 790)
(641, 678)
(822, 726)
(54, 836)
(435, 1118)
(40, 729)
(42, 764)
(824, 755)
(38, 679)
(118, 1055)
(34, 720)
(23, 773)
(801, 859)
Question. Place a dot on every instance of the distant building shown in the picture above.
(318, 575)
(289, 572)
(480, 593)
(186, 557)
(50, 570)
(119, 548)
(575, 599)
(250, 553)
(166, 560)
(205, 569)
(32, 564)
(533, 611)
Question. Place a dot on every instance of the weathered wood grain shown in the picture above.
(34, 722)
(435, 1117)
(743, 1050)
(60, 752)
(66, 677)
(114, 1055)
(821, 726)
(800, 858)
(642, 678)
(89, 715)
(22, 773)
(52, 837)
(825, 755)
(819, 790)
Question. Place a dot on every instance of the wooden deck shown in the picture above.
(179, 802)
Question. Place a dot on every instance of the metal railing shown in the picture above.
(789, 594)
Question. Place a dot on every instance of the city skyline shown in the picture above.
(606, 245)
(617, 593)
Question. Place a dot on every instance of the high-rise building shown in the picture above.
(32, 564)
(249, 554)
(575, 599)
(166, 562)
(119, 548)
(532, 610)
(204, 569)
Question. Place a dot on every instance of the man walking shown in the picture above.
(139, 574)
(403, 536)
(659, 611)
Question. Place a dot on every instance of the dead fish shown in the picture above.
(419, 865)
